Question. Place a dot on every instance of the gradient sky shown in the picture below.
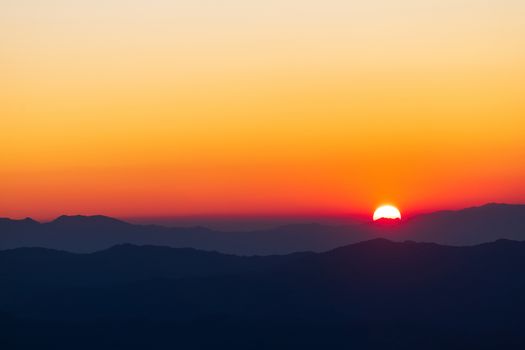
(144, 107)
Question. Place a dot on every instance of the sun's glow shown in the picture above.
(387, 212)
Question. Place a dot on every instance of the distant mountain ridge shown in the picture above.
(87, 220)
(400, 295)
(91, 233)
(379, 275)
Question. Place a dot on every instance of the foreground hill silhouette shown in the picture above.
(87, 234)
(368, 295)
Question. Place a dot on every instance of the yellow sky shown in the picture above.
(188, 107)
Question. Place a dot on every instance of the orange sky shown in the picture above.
(128, 108)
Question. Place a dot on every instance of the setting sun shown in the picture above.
(387, 212)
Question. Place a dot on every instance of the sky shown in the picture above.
(148, 108)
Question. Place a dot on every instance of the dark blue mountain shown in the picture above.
(375, 294)
(91, 233)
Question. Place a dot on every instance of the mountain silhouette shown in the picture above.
(468, 226)
(386, 222)
(370, 294)
(91, 233)
(80, 221)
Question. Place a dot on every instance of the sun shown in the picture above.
(387, 212)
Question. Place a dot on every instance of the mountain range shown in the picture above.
(372, 295)
(449, 279)
(92, 233)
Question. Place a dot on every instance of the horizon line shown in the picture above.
(252, 216)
